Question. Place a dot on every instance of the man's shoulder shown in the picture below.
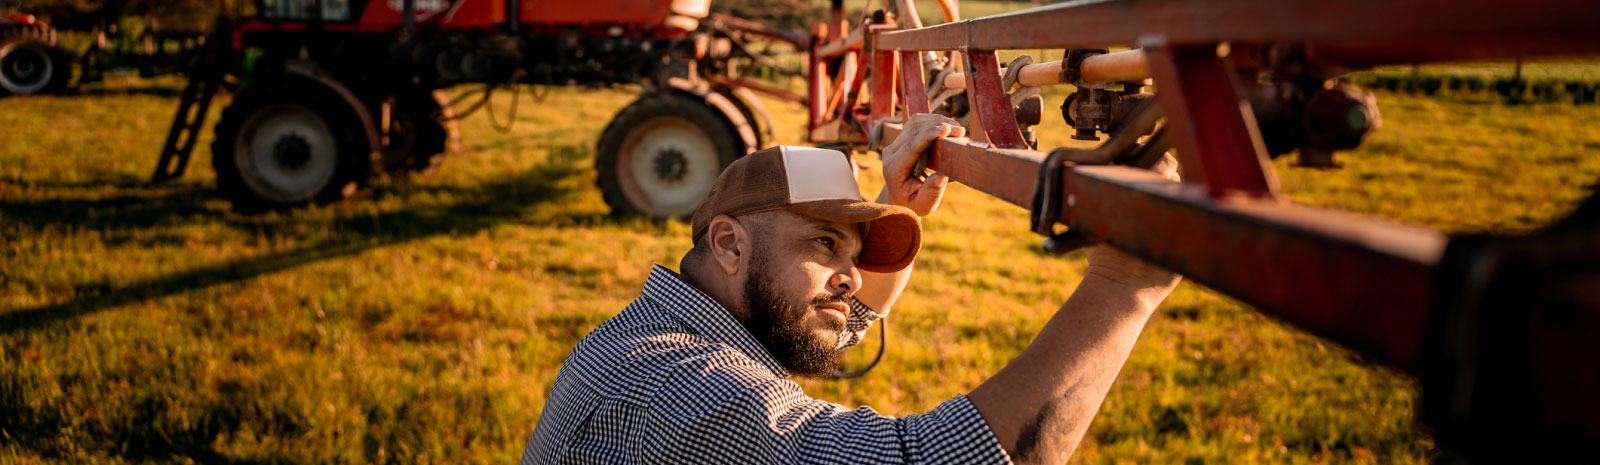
(642, 344)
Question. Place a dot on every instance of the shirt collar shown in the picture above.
(704, 316)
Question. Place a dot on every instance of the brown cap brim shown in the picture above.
(894, 233)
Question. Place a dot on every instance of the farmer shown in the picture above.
(789, 267)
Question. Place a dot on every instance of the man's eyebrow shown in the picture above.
(828, 228)
(833, 230)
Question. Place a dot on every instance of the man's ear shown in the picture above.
(729, 243)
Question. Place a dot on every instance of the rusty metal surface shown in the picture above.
(913, 87)
(852, 94)
(1212, 128)
(816, 89)
(1407, 30)
(1360, 281)
(1005, 174)
(1364, 282)
(882, 89)
(990, 106)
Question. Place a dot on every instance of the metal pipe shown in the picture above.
(408, 18)
(1121, 66)
(1531, 29)
(514, 17)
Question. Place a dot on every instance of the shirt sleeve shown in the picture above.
(731, 413)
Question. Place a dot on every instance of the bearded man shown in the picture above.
(790, 266)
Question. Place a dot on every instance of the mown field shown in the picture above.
(424, 322)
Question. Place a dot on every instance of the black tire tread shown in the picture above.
(354, 164)
(59, 61)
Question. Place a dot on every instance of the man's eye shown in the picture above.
(826, 242)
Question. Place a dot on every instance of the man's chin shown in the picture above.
(820, 371)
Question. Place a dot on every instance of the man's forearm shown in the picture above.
(1040, 405)
(879, 291)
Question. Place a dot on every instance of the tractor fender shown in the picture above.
(746, 130)
(753, 102)
(310, 70)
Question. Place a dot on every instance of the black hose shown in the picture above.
(883, 333)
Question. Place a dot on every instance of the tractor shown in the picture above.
(329, 94)
(31, 61)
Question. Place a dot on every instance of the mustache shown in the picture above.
(826, 298)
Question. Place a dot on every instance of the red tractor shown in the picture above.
(330, 93)
(31, 62)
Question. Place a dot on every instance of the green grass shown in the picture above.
(426, 321)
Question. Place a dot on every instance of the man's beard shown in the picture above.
(779, 325)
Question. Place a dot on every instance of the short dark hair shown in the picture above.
(759, 224)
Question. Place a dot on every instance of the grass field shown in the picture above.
(425, 322)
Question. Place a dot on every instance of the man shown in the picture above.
(789, 267)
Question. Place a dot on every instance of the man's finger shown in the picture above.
(1167, 167)
(929, 117)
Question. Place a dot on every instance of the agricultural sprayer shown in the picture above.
(331, 93)
(1499, 331)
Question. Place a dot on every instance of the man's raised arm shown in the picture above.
(920, 194)
(1040, 405)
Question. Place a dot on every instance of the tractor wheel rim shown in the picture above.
(286, 153)
(667, 166)
(25, 68)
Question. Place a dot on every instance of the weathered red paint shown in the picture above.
(1212, 128)
(913, 86)
(883, 85)
(817, 80)
(851, 96)
(1420, 30)
(1360, 281)
(989, 103)
(1363, 282)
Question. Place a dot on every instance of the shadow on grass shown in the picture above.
(496, 202)
(153, 90)
(132, 207)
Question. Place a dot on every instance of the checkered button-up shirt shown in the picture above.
(675, 379)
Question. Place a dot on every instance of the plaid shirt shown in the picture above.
(675, 379)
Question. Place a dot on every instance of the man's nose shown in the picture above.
(845, 281)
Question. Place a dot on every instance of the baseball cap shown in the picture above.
(817, 183)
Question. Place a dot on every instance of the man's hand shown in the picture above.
(912, 190)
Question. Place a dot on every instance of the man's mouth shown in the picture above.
(843, 312)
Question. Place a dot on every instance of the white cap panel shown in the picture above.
(819, 174)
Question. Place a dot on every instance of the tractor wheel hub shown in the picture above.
(670, 164)
(292, 151)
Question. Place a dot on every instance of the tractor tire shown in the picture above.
(661, 154)
(287, 141)
(416, 141)
(31, 62)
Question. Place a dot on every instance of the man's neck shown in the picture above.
(718, 288)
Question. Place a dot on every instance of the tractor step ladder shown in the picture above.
(204, 77)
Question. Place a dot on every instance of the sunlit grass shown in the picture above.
(425, 321)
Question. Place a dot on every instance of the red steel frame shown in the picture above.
(1364, 282)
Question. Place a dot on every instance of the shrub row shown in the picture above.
(1513, 90)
